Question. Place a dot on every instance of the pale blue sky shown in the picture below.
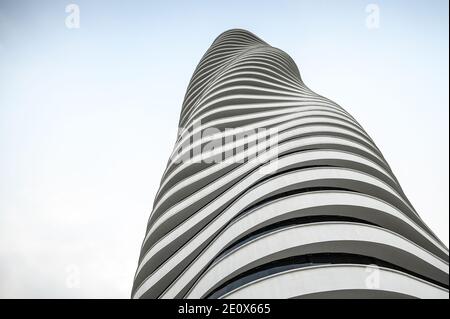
(88, 116)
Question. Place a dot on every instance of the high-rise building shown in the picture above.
(274, 191)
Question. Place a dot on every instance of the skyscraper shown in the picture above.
(274, 191)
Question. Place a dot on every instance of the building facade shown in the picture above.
(274, 191)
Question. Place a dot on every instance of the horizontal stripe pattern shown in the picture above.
(222, 215)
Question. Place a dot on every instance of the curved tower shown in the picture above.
(274, 191)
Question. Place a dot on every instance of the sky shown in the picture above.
(89, 116)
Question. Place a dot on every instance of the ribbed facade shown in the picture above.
(318, 213)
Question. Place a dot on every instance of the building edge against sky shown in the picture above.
(274, 191)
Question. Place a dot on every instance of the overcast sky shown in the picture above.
(88, 116)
